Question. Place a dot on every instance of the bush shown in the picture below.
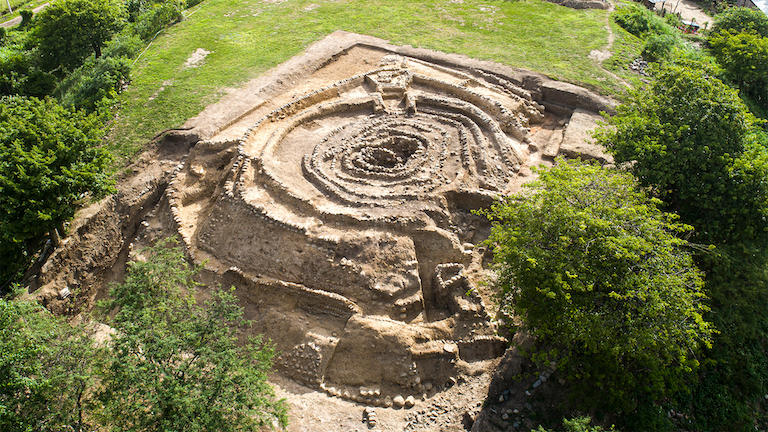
(658, 47)
(94, 81)
(597, 274)
(578, 424)
(156, 18)
(20, 76)
(640, 21)
(26, 18)
(125, 44)
(741, 20)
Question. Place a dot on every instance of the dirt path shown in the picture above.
(16, 21)
(689, 11)
(599, 56)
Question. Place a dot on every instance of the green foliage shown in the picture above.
(658, 47)
(177, 365)
(46, 370)
(26, 18)
(49, 160)
(124, 44)
(744, 56)
(94, 81)
(691, 141)
(578, 424)
(68, 31)
(640, 21)
(157, 17)
(741, 20)
(598, 276)
(19, 73)
(685, 136)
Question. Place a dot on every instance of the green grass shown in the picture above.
(247, 37)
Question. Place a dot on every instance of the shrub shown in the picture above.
(125, 44)
(26, 18)
(741, 20)
(658, 47)
(94, 81)
(597, 274)
(640, 21)
(578, 424)
(157, 18)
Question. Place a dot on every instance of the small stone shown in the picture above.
(387, 402)
(410, 401)
(64, 293)
(505, 416)
(427, 386)
(450, 348)
(398, 401)
(537, 383)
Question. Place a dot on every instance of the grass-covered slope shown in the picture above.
(247, 37)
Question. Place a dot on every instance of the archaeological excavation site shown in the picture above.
(337, 194)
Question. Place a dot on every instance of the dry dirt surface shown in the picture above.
(336, 193)
(688, 10)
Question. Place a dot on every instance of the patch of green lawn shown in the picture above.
(247, 37)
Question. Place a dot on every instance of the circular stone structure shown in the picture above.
(337, 194)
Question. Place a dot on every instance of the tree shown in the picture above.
(68, 31)
(692, 142)
(177, 365)
(599, 277)
(50, 160)
(685, 136)
(744, 56)
(46, 370)
(741, 20)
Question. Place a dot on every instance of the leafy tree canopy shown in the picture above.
(49, 160)
(177, 365)
(744, 56)
(68, 31)
(691, 139)
(45, 370)
(598, 275)
(740, 19)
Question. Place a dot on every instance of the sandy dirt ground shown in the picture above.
(688, 11)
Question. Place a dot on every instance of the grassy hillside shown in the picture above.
(247, 37)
